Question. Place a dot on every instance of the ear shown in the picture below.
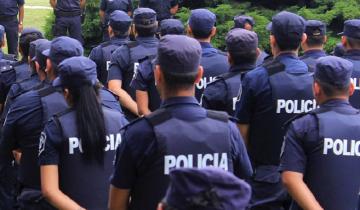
(160, 206)
(213, 32)
(110, 30)
(189, 31)
(29, 59)
(37, 66)
(344, 41)
(199, 74)
(303, 38)
(316, 89)
(67, 95)
(351, 89)
(258, 52)
(158, 75)
(48, 65)
(272, 40)
(325, 39)
(230, 60)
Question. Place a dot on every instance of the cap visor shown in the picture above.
(269, 26)
(56, 82)
(46, 52)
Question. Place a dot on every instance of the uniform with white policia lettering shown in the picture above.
(80, 142)
(125, 60)
(351, 43)
(147, 96)
(118, 28)
(202, 26)
(223, 93)
(313, 47)
(322, 148)
(68, 18)
(271, 95)
(179, 134)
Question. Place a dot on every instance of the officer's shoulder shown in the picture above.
(221, 53)
(139, 124)
(131, 44)
(9, 57)
(303, 120)
(104, 44)
(106, 92)
(7, 67)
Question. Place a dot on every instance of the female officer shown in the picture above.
(77, 146)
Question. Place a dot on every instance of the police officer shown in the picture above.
(248, 23)
(179, 134)
(271, 95)
(9, 10)
(81, 167)
(165, 9)
(147, 97)
(109, 6)
(21, 69)
(68, 18)
(217, 189)
(339, 50)
(314, 46)
(322, 147)
(125, 60)
(351, 42)
(4, 57)
(118, 30)
(202, 27)
(222, 94)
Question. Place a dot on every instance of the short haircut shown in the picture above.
(199, 34)
(288, 45)
(315, 41)
(331, 90)
(120, 33)
(353, 43)
(179, 81)
(25, 41)
(146, 31)
(242, 57)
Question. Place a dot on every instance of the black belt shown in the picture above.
(8, 18)
(67, 14)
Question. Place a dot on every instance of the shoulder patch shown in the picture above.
(42, 142)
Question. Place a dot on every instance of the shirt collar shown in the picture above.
(315, 52)
(180, 101)
(206, 45)
(336, 102)
(121, 39)
(287, 55)
(146, 39)
(242, 67)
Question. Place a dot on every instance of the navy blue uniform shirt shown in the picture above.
(310, 58)
(110, 6)
(256, 92)
(137, 154)
(68, 5)
(10, 7)
(222, 94)
(161, 7)
(214, 63)
(304, 153)
(354, 57)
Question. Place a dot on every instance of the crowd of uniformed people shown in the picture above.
(156, 119)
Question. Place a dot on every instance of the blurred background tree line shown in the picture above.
(332, 12)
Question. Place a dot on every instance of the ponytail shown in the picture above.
(90, 121)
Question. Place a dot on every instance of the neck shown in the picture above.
(322, 101)
(206, 40)
(278, 53)
(314, 48)
(180, 93)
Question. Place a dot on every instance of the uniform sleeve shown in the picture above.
(103, 5)
(244, 106)
(20, 2)
(293, 157)
(119, 63)
(50, 141)
(241, 161)
(96, 57)
(139, 82)
(214, 96)
(125, 171)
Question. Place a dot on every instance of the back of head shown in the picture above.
(339, 50)
(40, 58)
(242, 46)
(201, 22)
(78, 76)
(316, 32)
(352, 33)
(32, 51)
(179, 60)
(206, 189)
(120, 22)
(27, 36)
(245, 22)
(63, 47)
(288, 29)
(145, 22)
(333, 74)
(171, 26)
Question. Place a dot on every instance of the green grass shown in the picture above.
(37, 2)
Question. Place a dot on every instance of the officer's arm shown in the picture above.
(50, 189)
(244, 131)
(53, 3)
(142, 100)
(295, 185)
(118, 198)
(21, 17)
(124, 98)
(82, 4)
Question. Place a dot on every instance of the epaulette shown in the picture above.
(218, 115)
(274, 67)
(132, 123)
